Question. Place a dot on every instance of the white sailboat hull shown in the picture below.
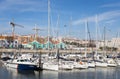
(48, 66)
(65, 67)
(112, 65)
(82, 65)
(91, 65)
(97, 64)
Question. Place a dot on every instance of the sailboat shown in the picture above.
(89, 62)
(98, 62)
(111, 62)
(50, 64)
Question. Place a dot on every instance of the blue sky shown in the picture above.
(31, 12)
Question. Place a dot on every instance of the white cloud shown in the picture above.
(110, 22)
(101, 17)
(23, 5)
(111, 5)
(90, 19)
(109, 15)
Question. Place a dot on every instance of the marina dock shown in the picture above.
(38, 51)
(45, 51)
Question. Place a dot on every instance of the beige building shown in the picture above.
(116, 42)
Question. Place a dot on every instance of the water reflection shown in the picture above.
(20, 74)
(95, 73)
(45, 74)
(92, 73)
(105, 73)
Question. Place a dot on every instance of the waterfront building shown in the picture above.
(36, 45)
(5, 40)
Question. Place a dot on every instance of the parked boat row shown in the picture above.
(34, 61)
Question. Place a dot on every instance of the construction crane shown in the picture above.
(13, 27)
(36, 31)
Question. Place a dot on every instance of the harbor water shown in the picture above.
(91, 73)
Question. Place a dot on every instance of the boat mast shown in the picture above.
(104, 48)
(70, 26)
(96, 34)
(48, 23)
(57, 39)
(86, 31)
(57, 31)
